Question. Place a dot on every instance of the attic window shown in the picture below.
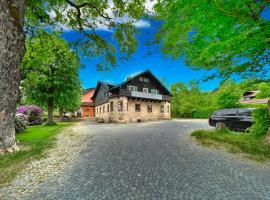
(146, 80)
(141, 78)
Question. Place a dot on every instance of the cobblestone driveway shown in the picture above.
(155, 160)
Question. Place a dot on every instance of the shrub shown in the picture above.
(261, 122)
(21, 122)
(33, 113)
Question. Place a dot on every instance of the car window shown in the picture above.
(245, 112)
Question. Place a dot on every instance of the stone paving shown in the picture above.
(154, 160)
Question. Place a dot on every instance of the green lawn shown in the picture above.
(248, 144)
(34, 141)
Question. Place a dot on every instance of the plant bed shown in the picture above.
(33, 143)
(245, 143)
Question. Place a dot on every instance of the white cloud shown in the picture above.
(142, 24)
(149, 5)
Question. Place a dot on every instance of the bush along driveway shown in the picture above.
(155, 160)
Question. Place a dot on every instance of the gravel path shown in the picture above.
(155, 160)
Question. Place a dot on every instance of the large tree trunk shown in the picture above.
(61, 114)
(12, 50)
(50, 112)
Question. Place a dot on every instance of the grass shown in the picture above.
(34, 141)
(250, 145)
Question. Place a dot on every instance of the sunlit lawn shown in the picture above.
(244, 143)
(34, 141)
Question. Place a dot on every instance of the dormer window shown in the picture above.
(140, 78)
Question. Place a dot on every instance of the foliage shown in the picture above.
(50, 73)
(230, 36)
(189, 101)
(228, 95)
(235, 143)
(264, 89)
(36, 140)
(21, 122)
(261, 122)
(32, 112)
(86, 17)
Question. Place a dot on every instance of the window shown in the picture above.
(103, 109)
(137, 107)
(141, 78)
(108, 108)
(111, 106)
(145, 90)
(149, 108)
(99, 110)
(146, 80)
(120, 105)
(132, 88)
(168, 108)
(162, 108)
(154, 91)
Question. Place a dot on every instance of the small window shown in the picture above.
(145, 90)
(120, 105)
(111, 106)
(103, 109)
(168, 108)
(108, 108)
(149, 108)
(146, 80)
(162, 108)
(154, 91)
(137, 107)
(141, 78)
(99, 110)
(132, 88)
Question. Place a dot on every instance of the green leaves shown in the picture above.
(228, 36)
(88, 16)
(50, 70)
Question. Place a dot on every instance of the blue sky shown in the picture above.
(170, 71)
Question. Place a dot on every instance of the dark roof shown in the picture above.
(139, 74)
(98, 86)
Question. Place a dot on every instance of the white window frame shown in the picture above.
(145, 90)
(154, 91)
(140, 78)
(132, 88)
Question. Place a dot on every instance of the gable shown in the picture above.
(144, 80)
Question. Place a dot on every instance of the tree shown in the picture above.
(264, 89)
(85, 16)
(229, 37)
(50, 73)
(228, 95)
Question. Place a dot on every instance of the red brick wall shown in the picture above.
(88, 111)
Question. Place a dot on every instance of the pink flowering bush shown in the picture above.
(33, 113)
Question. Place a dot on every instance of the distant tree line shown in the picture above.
(189, 101)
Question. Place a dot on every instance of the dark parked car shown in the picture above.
(234, 119)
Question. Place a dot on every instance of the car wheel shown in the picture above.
(220, 126)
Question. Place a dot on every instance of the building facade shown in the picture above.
(88, 104)
(140, 98)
